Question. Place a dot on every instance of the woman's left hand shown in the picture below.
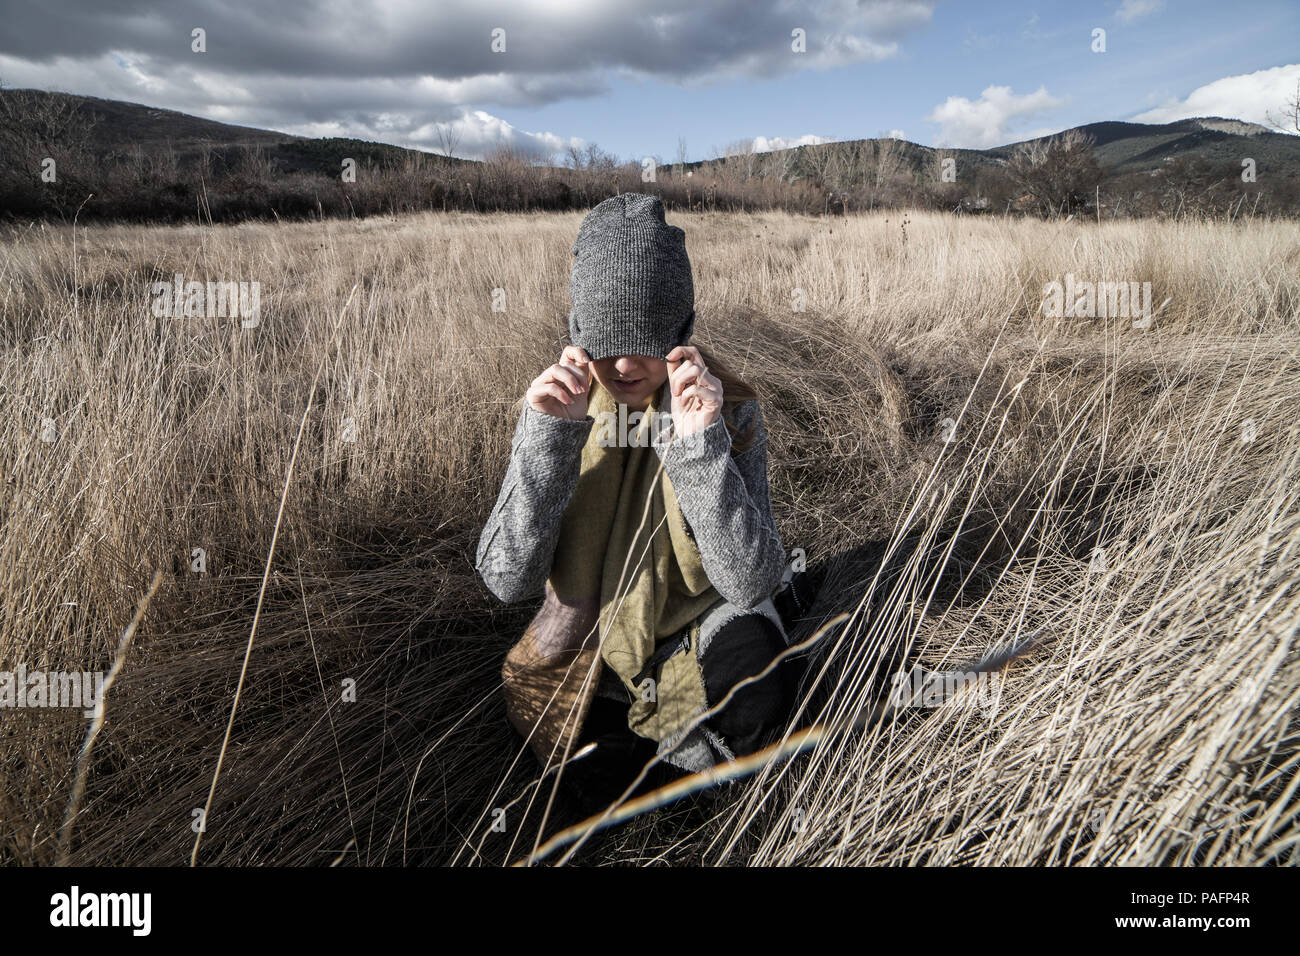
(697, 393)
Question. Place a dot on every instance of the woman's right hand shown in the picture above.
(562, 390)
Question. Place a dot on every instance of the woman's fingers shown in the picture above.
(567, 375)
(688, 373)
(688, 353)
(551, 389)
(684, 375)
(582, 373)
(578, 358)
(562, 389)
(687, 366)
(701, 394)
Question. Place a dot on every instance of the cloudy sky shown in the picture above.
(634, 76)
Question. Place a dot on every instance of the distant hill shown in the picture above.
(117, 128)
(116, 125)
(1123, 147)
(144, 163)
(1132, 147)
(1140, 147)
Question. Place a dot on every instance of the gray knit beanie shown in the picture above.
(631, 282)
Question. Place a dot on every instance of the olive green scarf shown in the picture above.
(623, 537)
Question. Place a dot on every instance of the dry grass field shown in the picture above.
(1123, 498)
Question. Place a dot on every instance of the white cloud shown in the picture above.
(763, 144)
(1131, 10)
(983, 123)
(1247, 96)
(475, 134)
(399, 70)
(375, 109)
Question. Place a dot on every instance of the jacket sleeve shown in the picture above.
(726, 503)
(517, 544)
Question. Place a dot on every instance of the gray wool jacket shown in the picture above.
(724, 500)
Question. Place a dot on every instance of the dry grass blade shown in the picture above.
(985, 472)
(97, 720)
(266, 576)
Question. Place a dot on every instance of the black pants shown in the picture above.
(740, 649)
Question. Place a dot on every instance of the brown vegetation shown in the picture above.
(1127, 496)
(142, 176)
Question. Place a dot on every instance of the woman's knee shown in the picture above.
(741, 649)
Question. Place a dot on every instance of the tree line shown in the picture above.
(52, 170)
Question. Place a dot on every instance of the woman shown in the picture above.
(636, 502)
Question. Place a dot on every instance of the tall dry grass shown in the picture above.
(1126, 497)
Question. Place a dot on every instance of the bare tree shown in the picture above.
(34, 122)
(1290, 118)
(448, 138)
(35, 128)
(740, 158)
(883, 161)
(845, 172)
(1060, 173)
(817, 160)
(888, 161)
(781, 165)
(599, 160)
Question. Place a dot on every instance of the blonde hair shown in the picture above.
(735, 392)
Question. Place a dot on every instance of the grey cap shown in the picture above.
(631, 281)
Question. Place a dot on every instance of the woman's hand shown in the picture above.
(562, 390)
(697, 393)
